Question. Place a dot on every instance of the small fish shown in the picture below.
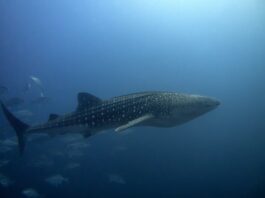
(36, 80)
(11, 142)
(31, 193)
(42, 161)
(7, 145)
(56, 180)
(5, 181)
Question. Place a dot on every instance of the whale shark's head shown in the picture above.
(196, 105)
(184, 107)
(201, 104)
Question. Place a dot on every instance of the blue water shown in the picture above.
(115, 47)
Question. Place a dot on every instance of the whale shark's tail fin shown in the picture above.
(19, 126)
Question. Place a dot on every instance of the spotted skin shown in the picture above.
(168, 109)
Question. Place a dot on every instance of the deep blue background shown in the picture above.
(115, 47)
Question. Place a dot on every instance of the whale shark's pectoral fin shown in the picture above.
(134, 122)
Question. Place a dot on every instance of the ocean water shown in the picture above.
(116, 47)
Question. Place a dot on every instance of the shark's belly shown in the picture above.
(166, 121)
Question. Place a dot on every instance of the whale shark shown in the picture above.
(92, 115)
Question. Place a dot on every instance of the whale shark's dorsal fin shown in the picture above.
(53, 117)
(87, 100)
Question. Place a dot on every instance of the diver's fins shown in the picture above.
(19, 126)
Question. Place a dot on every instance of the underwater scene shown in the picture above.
(132, 98)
